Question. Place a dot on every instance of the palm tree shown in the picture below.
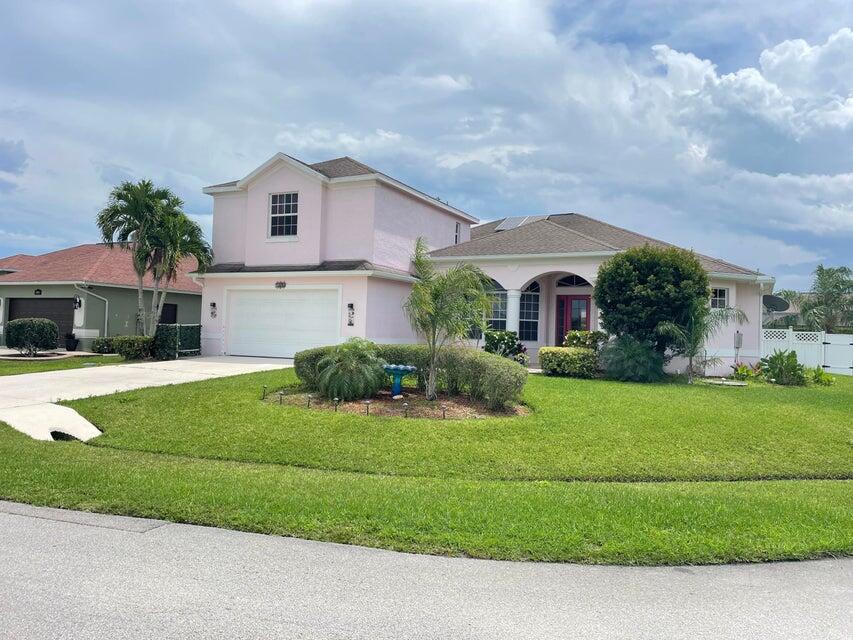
(443, 306)
(128, 220)
(176, 238)
(829, 303)
(689, 338)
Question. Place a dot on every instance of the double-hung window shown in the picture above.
(719, 298)
(284, 212)
(457, 236)
(528, 325)
(496, 318)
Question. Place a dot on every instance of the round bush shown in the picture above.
(629, 359)
(638, 289)
(31, 335)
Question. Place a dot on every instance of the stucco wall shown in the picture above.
(400, 219)
(386, 321)
(348, 230)
(229, 227)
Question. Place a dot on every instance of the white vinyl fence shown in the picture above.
(832, 351)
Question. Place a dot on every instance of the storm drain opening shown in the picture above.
(61, 436)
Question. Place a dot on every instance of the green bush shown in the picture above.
(627, 358)
(783, 368)
(585, 339)
(31, 335)
(351, 370)
(487, 377)
(133, 347)
(576, 362)
(103, 345)
(506, 344)
(820, 377)
(638, 289)
(743, 371)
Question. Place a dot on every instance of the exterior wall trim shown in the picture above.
(308, 274)
(85, 283)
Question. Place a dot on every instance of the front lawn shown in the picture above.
(650, 469)
(578, 430)
(15, 367)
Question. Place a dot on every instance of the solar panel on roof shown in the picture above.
(517, 221)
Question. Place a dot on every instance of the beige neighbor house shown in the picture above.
(312, 254)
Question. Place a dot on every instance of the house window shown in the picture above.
(283, 214)
(458, 233)
(496, 320)
(528, 325)
(572, 281)
(719, 298)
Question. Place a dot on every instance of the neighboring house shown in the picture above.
(308, 255)
(88, 290)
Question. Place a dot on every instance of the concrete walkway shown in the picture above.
(26, 400)
(68, 574)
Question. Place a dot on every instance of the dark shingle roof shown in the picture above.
(565, 233)
(342, 168)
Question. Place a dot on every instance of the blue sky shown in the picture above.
(722, 126)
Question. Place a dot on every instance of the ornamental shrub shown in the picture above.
(638, 289)
(820, 377)
(629, 359)
(585, 339)
(31, 335)
(103, 345)
(133, 347)
(783, 368)
(351, 371)
(575, 362)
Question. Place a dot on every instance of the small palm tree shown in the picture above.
(689, 338)
(176, 238)
(829, 303)
(129, 219)
(443, 306)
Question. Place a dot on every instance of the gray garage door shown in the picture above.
(60, 310)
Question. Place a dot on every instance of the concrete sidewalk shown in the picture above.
(68, 574)
(26, 400)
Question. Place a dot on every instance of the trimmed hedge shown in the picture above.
(133, 347)
(575, 362)
(103, 345)
(31, 335)
(585, 339)
(492, 379)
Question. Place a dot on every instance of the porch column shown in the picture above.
(513, 309)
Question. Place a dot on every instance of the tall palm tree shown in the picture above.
(175, 239)
(128, 220)
(443, 306)
(829, 303)
(699, 326)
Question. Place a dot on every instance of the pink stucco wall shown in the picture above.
(400, 219)
(229, 227)
(348, 230)
(386, 322)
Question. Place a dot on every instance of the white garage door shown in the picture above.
(279, 323)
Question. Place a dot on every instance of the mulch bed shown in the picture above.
(383, 405)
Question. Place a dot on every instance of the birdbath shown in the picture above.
(397, 371)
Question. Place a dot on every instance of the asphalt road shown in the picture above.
(65, 574)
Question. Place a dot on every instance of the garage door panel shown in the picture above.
(280, 323)
(60, 310)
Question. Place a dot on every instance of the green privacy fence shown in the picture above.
(177, 341)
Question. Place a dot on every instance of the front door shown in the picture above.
(573, 314)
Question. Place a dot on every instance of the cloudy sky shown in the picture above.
(722, 126)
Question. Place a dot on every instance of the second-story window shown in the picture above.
(284, 210)
(458, 234)
(719, 298)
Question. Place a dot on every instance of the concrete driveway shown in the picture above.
(26, 401)
(116, 577)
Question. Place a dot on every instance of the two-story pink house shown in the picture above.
(309, 255)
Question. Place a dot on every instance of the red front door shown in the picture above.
(572, 315)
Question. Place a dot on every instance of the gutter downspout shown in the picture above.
(106, 306)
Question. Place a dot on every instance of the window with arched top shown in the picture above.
(572, 281)
(528, 324)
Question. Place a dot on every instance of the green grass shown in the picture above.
(12, 367)
(578, 430)
(651, 470)
(639, 523)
